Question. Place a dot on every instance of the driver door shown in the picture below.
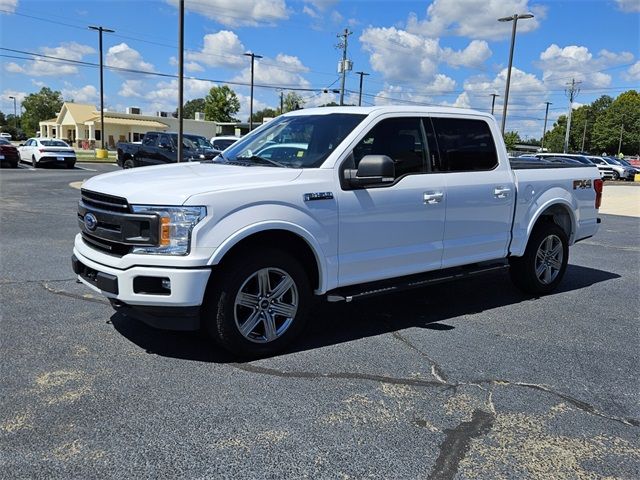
(395, 229)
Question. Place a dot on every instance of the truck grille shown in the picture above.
(104, 201)
(112, 227)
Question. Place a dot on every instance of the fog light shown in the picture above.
(166, 284)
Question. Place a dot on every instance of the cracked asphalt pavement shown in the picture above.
(463, 380)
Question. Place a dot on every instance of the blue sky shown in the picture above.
(451, 52)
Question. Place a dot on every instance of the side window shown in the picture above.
(149, 139)
(164, 140)
(465, 145)
(398, 138)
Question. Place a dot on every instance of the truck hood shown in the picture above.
(174, 184)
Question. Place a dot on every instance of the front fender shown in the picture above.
(320, 234)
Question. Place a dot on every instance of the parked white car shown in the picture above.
(5, 135)
(39, 151)
(223, 142)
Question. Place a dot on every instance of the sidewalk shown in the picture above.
(621, 199)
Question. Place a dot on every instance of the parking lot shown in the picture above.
(464, 380)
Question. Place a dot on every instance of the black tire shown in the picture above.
(615, 175)
(34, 164)
(240, 274)
(14, 165)
(523, 269)
(128, 163)
(70, 165)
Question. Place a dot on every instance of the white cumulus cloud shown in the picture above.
(123, 56)
(630, 6)
(633, 73)
(43, 66)
(221, 49)
(284, 70)
(9, 6)
(86, 94)
(235, 13)
(474, 18)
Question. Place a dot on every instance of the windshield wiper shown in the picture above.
(268, 161)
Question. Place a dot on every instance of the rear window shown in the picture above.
(53, 143)
(465, 145)
(4, 142)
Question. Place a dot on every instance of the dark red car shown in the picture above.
(8, 154)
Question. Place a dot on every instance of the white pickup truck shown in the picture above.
(343, 203)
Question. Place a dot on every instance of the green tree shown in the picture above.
(38, 107)
(510, 139)
(190, 108)
(622, 116)
(266, 112)
(221, 104)
(554, 138)
(292, 101)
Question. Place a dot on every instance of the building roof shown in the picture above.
(80, 112)
(108, 120)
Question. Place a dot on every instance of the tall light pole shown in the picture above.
(101, 29)
(15, 113)
(180, 79)
(572, 90)
(514, 18)
(253, 57)
(544, 129)
(493, 101)
(621, 131)
(362, 74)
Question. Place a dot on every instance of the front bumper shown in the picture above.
(176, 308)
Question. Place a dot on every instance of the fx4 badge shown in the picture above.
(581, 184)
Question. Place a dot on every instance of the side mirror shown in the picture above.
(21, 145)
(372, 170)
(166, 146)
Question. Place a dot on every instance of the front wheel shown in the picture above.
(615, 175)
(257, 303)
(541, 268)
(128, 163)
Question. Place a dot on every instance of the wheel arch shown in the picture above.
(560, 213)
(293, 238)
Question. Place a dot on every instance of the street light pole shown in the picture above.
(15, 113)
(362, 74)
(180, 79)
(101, 29)
(253, 57)
(544, 129)
(514, 18)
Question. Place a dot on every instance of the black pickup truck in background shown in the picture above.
(159, 148)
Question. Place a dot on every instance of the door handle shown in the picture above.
(501, 192)
(431, 198)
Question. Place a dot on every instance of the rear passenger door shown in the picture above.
(480, 191)
(148, 149)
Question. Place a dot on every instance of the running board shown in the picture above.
(357, 292)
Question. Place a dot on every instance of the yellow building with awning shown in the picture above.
(79, 124)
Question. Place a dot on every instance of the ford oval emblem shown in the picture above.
(90, 221)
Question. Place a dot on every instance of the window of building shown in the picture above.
(464, 145)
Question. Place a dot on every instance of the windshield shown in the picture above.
(187, 142)
(611, 161)
(198, 141)
(297, 141)
(53, 143)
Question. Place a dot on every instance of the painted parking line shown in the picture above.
(84, 168)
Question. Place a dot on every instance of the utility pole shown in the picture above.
(15, 113)
(544, 129)
(493, 101)
(362, 74)
(253, 58)
(621, 130)
(584, 134)
(571, 91)
(101, 29)
(180, 78)
(281, 102)
(343, 67)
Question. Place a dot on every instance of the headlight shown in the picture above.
(176, 224)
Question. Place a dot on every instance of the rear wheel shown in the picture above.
(258, 303)
(544, 262)
(70, 165)
(615, 175)
(34, 163)
(128, 163)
